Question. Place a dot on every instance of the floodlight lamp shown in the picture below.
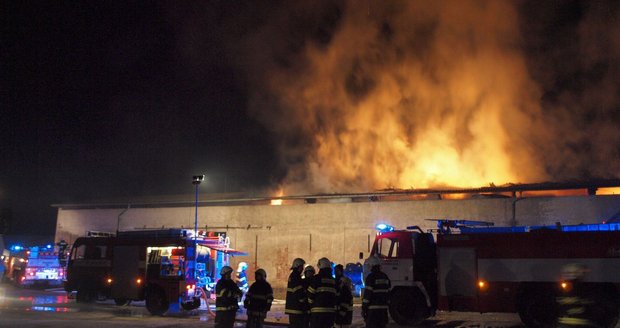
(197, 179)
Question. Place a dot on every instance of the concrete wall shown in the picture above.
(275, 235)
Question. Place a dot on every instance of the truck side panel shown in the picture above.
(457, 279)
(126, 272)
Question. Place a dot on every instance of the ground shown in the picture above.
(53, 308)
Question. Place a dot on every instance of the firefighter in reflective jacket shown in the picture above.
(344, 315)
(581, 305)
(227, 295)
(258, 300)
(322, 296)
(309, 272)
(241, 277)
(375, 298)
(296, 299)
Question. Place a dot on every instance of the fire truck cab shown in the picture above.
(166, 268)
(476, 267)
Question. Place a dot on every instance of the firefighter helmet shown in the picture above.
(373, 261)
(242, 266)
(226, 270)
(324, 263)
(309, 270)
(261, 272)
(298, 262)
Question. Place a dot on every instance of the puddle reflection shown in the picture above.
(45, 303)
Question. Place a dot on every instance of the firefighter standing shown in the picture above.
(309, 272)
(578, 306)
(227, 295)
(322, 296)
(258, 300)
(375, 299)
(242, 277)
(344, 316)
(296, 299)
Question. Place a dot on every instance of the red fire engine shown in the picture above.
(166, 268)
(476, 267)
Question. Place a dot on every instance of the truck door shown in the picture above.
(395, 252)
(127, 281)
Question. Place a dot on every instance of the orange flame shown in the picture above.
(459, 110)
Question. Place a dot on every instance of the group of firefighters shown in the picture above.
(313, 300)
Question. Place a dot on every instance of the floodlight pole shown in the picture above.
(196, 180)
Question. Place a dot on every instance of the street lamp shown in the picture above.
(196, 180)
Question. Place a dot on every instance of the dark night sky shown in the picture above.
(109, 99)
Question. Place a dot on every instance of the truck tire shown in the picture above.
(408, 307)
(85, 295)
(156, 301)
(537, 308)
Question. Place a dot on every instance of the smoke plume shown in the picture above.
(364, 95)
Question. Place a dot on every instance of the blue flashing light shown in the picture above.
(16, 248)
(382, 227)
(49, 246)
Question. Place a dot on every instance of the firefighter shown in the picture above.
(322, 296)
(375, 298)
(309, 272)
(241, 277)
(296, 299)
(344, 315)
(227, 296)
(258, 300)
(579, 306)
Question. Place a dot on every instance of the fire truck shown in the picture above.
(474, 266)
(168, 269)
(37, 265)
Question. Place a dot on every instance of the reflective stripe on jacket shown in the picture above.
(259, 298)
(322, 293)
(226, 295)
(376, 291)
(295, 295)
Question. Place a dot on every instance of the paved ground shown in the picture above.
(52, 308)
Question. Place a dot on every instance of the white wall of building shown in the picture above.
(275, 235)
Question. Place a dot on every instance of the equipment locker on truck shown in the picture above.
(476, 267)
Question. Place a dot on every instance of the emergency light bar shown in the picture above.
(382, 227)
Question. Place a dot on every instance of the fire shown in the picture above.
(382, 106)
(278, 201)
(608, 191)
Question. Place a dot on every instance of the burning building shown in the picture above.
(340, 226)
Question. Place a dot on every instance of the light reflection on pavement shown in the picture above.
(52, 308)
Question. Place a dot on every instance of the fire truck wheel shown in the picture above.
(85, 295)
(537, 308)
(408, 307)
(156, 302)
(121, 301)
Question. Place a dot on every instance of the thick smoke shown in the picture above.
(364, 95)
(405, 94)
(573, 50)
